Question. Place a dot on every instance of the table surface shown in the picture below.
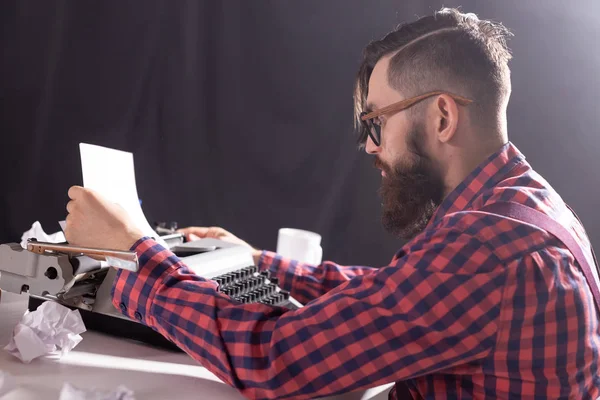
(105, 362)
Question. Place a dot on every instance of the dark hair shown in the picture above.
(449, 51)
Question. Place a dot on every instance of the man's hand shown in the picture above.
(197, 232)
(93, 221)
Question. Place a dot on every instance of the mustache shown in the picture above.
(377, 163)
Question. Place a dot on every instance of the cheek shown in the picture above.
(394, 141)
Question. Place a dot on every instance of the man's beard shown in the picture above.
(411, 191)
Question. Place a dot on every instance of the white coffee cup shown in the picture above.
(300, 245)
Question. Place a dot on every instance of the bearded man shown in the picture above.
(491, 296)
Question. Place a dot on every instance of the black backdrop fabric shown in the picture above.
(239, 113)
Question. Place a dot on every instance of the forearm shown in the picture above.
(306, 282)
(190, 311)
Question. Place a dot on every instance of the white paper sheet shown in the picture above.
(7, 383)
(70, 392)
(111, 173)
(52, 329)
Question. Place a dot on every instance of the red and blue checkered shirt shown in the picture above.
(477, 306)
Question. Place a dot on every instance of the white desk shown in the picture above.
(105, 362)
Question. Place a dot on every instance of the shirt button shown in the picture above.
(123, 307)
(138, 315)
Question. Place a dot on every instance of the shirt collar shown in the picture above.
(488, 174)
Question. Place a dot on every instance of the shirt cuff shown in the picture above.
(132, 292)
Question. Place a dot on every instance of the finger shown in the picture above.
(68, 227)
(187, 229)
(193, 232)
(75, 192)
(214, 231)
(70, 206)
(196, 230)
(192, 237)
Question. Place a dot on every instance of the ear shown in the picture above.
(446, 120)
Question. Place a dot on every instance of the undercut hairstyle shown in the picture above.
(448, 51)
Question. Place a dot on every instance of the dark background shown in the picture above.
(239, 113)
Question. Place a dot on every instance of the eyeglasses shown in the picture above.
(374, 129)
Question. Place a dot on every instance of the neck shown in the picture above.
(465, 159)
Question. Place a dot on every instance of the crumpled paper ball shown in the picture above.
(52, 329)
(36, 231)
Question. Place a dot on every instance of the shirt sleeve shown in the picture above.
(435, 307)
(306, 282)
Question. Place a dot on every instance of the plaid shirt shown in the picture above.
(474, 307)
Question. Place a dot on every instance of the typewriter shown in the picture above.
(81, 279)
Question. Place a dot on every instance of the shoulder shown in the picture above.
(475, 241)
(449, 246)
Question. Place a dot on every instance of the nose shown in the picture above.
(371, 147)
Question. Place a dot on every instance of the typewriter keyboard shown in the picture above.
(248, 285)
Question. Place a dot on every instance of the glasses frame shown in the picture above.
(374, 130)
